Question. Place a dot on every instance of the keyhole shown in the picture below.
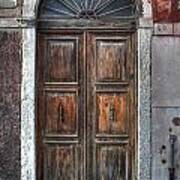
(112, 112)
(61, 113)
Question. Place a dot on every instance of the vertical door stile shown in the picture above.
(89, 106)
(85, 104)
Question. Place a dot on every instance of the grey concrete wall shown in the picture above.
(165, 103)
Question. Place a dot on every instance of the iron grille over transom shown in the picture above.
(89, 9)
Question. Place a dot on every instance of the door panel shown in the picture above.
(61, 113)
(86, 105)
(111, 162)
(60, 162)
(111, 113)
(111, 102)
(110, 59)
(62, 61)
(61, 108)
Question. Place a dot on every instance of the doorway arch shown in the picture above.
(33, 15)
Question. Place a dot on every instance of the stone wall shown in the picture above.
(10, 85)
(10, 8)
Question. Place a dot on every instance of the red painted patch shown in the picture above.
(166, 10)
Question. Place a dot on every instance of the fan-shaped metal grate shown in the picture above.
(88, 9)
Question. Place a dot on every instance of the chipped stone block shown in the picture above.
(8, 3)
(28, 106)
(144, 45)
(163, 29)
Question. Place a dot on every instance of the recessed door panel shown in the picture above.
(61, 162)
(61, 113)
(111, 59)
(62, 59)
(111, 113)
(111, 162)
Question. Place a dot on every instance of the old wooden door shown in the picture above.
(86, 110)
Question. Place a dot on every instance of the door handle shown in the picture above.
(61, 113)
(172, 141)
(112, 113)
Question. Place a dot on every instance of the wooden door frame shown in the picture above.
(98, 30)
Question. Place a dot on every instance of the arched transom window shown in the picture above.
(102, 10)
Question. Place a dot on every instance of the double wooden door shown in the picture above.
(86, 105)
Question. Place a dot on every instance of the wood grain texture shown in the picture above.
(60, 163)
(111, 163)
(86, 118)
(110, 110)
(111, 60)
(60, 102)
(111, 113)
(61, 113)
(61, 61)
